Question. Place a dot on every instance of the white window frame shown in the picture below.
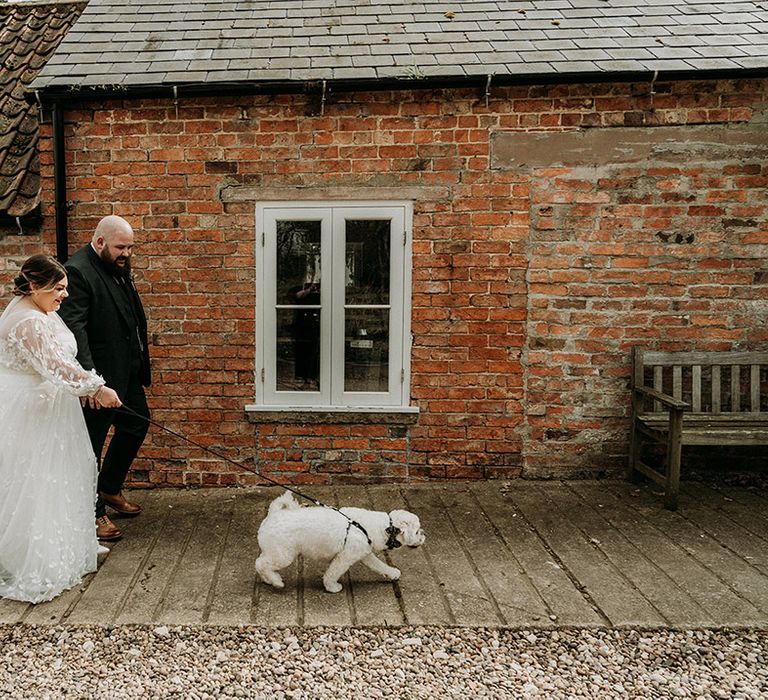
(332, 397)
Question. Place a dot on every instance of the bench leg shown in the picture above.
(635, 447)
(635, 438)
(674, 450)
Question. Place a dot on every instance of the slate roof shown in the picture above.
(228, 41)
(29, 33)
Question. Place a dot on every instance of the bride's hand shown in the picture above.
(107, 398)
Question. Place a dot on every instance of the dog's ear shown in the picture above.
(403, 519)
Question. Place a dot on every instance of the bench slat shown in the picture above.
(696, 388)
(723, 437)
(703, 429)
(754, 388)
(677, 381)
(716, 389)
(735, 388)
(732, 420)
(704, 358)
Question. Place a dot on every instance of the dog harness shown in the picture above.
(392, 532)
(349, 525)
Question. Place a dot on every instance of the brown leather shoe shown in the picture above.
(119, 504)
(106, 530)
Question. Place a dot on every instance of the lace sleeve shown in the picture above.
(38, 345)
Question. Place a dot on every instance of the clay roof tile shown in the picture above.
(29, 34)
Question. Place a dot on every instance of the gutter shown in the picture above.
(53, 93)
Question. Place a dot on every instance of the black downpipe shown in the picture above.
(60, 183)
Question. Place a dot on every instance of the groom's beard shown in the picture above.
(123, 270)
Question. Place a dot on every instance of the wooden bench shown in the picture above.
(695, 398)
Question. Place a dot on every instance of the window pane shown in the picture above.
(298, 258)
(366, 350)
(298, 349)
(298, 286)
(367, 262)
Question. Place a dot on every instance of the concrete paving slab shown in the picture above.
(468, 598)
(515, 597)
(319, 606)
(118, 577)
(186, 597)
(557, 518)
(708, 571)
(369, 605)
(501, 554)
(742, 507)
(232, 596)
(564, 600)
(418, 592)
(628, 555)
(12, 611)
(750, 498)
(148, 571)
(747, 536)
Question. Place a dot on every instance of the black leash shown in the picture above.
(314, 501)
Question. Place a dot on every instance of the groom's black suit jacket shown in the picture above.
(107, 321)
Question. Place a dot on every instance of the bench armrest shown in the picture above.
(666, 399)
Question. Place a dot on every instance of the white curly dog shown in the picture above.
(344, 536)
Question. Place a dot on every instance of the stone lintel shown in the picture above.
(248, 193)
(511, 150)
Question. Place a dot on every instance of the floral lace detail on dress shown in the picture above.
(47, 467)
(44, 345)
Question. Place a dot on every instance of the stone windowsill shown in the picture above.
(393, 415)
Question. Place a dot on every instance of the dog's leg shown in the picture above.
(265, 568)
(380, 567)
(336, 569)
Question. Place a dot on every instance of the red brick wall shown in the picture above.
(18, 240)
(669, 258)
(529, 285)
(668, 253)
(14, 249)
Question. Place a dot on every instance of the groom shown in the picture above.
(105, 314)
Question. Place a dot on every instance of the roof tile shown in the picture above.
(285, 39)
(707, 63)
(28, 36)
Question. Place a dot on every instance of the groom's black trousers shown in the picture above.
(129, 433)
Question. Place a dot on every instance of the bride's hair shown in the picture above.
(38, 272)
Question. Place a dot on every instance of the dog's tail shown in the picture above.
(284, 502)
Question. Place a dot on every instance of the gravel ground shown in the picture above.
(403, 663)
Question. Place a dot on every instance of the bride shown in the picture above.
(47, 467)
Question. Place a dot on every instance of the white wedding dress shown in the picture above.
(47, 467)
